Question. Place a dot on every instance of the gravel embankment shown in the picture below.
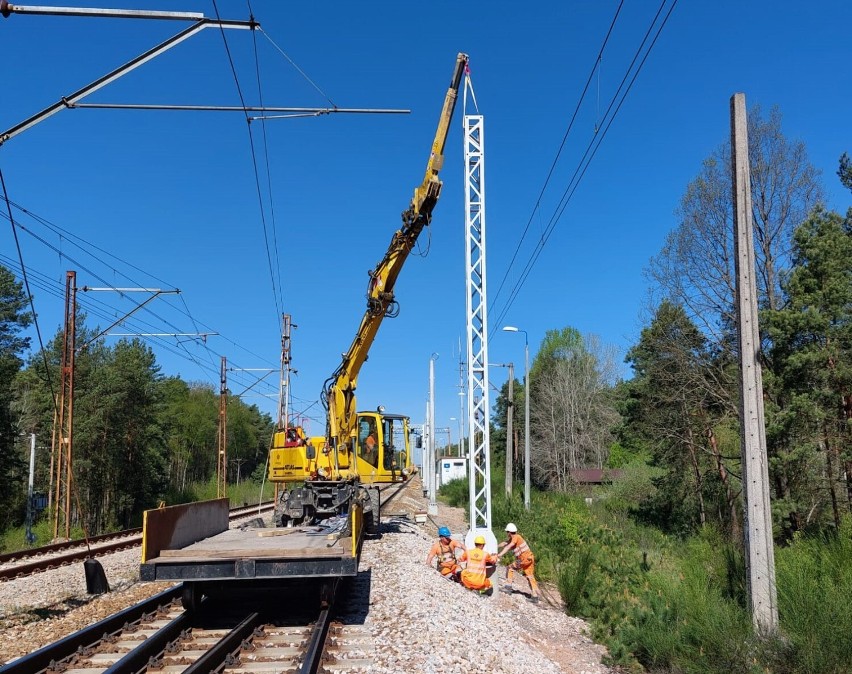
(420, 622)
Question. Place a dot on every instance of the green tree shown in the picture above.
(571, 407)
(13, 319)
(249, 438)
(676, 402)
(695, 269)
(811, 358)
(190, 418)
(845, 171)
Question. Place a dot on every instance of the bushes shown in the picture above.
(814, 579)
(680, 605)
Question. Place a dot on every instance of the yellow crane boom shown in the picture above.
(339, 389)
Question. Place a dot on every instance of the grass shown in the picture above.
(16, 537)
(669, 605)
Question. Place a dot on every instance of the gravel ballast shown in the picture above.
(420, 622)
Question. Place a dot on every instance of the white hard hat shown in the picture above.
(511, 528)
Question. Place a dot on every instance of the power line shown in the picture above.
(74, 239)
(588, 156)
(29, 294)
(276, 288)
(558, 153)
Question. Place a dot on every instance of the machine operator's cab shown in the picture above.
(382, 447)
(379, 452)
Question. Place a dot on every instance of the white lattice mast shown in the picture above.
(478, 407)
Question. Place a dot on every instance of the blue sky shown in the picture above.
(172, 196)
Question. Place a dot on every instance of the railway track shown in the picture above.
(27, 562)
(235, 631)
(294, 632)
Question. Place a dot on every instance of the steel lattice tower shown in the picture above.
(478, 407)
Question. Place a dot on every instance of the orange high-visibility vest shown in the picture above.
(522, 550)
(474, 575)
(445, 553)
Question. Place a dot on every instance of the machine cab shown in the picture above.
(382, 447)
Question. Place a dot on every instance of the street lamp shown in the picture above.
(458, 449)
(512, 328)
(433, 504)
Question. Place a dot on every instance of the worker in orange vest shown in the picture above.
(524, 561)
(445, 550)
(475, 576)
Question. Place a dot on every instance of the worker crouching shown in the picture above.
(524, 561)
(475, 574)
(445, 550)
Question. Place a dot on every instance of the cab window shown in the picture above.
(368, 446)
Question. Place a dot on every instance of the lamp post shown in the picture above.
(461, 422)
(512, 328)
(433, 504)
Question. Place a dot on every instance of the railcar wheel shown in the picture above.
(190, 597)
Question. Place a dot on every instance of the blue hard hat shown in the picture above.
(444, 531)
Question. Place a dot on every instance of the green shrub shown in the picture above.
(15, 538)
(814, 580)
(455, 493)
(675, 604)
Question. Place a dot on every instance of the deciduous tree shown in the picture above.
(571, 406)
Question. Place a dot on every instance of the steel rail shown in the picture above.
(132, 538)
(316, 643)
(151, 647)
(229, 645)
(65, 545)
(58, 651)
(62, 560)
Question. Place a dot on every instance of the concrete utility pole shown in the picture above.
(30, 535)
(461, 402)
(512, 328)
(424, 450)
(759, 550)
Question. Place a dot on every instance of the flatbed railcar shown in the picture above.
(192, 543)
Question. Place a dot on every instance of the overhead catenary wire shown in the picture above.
(100, 309)
(275, 279)
(82, 244)
(29, 294)
(588, 156)
(104, 310)
(553, 164)
(301, 72)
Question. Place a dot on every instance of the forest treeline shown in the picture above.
(139, 437)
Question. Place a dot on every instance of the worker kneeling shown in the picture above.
(445, 550)
(475, 575)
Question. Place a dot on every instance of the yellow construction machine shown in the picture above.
(361, 449)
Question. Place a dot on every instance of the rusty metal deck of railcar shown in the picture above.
(193, 543)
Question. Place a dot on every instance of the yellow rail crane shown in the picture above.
(360, 450)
